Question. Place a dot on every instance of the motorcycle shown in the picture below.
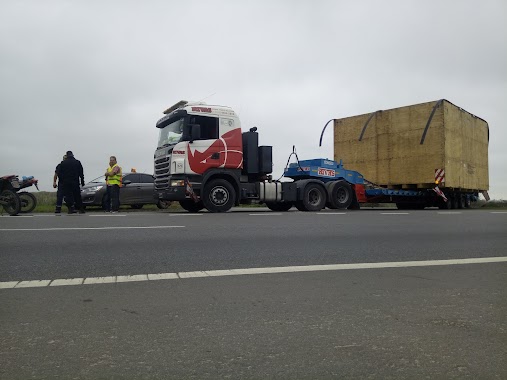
(28, 200)
(12, 199)
(9, 199)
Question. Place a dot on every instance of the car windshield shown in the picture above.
(171, 133)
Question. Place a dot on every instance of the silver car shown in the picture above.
(138, 190)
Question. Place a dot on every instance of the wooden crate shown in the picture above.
(403, 147)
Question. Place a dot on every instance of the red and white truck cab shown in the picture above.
(200, 159)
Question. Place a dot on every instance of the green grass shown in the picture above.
(46, 202)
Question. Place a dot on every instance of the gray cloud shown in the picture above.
(95, 76)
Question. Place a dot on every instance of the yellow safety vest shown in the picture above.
(114, 179)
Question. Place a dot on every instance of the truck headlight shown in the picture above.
(177, 183)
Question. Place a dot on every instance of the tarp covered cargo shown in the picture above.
(416, 145)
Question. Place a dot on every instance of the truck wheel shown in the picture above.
(191, 206)
(328, 190)
(10, 200)
(314, 198)
(28, 201)
(454, 201)
(340, 194)
(445, 205)
(219, 195)
(461, 200)
(279, 206)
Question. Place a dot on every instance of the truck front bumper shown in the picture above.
(171, 194)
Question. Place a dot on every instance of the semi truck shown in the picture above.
(204, 160)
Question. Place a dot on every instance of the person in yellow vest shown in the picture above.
(113, 180)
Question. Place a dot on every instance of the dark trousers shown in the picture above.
(60, 197)
(72, 194)
(113, 198)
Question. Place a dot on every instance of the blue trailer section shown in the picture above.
(324, 170)
(389, 192)
(329, 170)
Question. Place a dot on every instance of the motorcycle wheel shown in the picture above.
(28, 201)
(10, 201)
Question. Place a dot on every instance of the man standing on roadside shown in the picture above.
(113, 180)
(69, 174)
(59, 190)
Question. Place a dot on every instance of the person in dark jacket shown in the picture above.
(59, 191)
(70, 174)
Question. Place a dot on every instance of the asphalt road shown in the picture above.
(220, 315)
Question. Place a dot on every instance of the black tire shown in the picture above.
(454, 201)
(28, 201)
(445, 205)
(136, 207)
(468, 203)
(191, 206)
(340, 195)
(10, 202)
(162, 205)
(328, 190)
(218, 195)
(314, 198)
(279, 206)
(461, 200)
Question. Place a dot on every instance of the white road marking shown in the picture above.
(8, 284)
(163, 276)
(68, 281)
(99, 280)
(182, 214)
(107, 215)
(33, 284)
(246, 271)
(137, 277)
(88, 228)
(395, 213)
(266, 214)
(499, 212)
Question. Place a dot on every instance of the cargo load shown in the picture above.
(416, 146)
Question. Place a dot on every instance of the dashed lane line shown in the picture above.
(266, 214)
(89, 228)
(241, 272)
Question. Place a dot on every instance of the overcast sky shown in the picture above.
(95, 76)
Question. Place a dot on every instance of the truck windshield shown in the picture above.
(171, 133)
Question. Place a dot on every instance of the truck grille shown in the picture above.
(162, 172)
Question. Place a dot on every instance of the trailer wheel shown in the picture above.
(328, 190)
(445, 205)
(340, 194)
(191, 206)
(279, 206)
(219, 195)
(314, 198)
(454, 201)
(461, 200)
(28, 201)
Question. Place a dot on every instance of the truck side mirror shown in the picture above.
(195, 132)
